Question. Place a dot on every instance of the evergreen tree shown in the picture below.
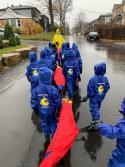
(18, 42)
(8, 32)
(12, 40)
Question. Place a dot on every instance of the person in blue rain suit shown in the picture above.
(32, 70)
(72, 73)
(47, 100)
(46, 60)
(67, 49)
(116, 132)
(54, 53)
(77, 56)
(50, 45)
(97, 89)
(62, 53)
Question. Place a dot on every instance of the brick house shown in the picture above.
(119, 13)
(25, 18)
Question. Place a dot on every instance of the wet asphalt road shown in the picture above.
(21, 143)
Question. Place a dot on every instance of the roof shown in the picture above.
(106, 15)
(10, 14)
(19, 7)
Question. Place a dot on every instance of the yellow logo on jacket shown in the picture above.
(44, 102)
(70, 71)
(35, 72)
(100, 89)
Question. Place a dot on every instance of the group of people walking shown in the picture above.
(46, 95)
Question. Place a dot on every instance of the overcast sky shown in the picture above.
(91, 8)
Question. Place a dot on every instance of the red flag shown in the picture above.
(59, 50)
(64, 137)
(59, 78)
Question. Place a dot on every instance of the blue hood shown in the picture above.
(74, 46)
(63, 46)
(50, 45)
(45, 75)
(32, 56)
(43, 54)
(67, 45)
(70, 55)
(123, 107)
(100, 69)
(48, 52)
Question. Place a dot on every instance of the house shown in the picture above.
(44, 21)
(119, 13)
(105, 19)
(92, 26)
(25, 18)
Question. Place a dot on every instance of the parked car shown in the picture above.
(2, 33)
(93, 36)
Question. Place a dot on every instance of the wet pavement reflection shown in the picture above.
(21, 139)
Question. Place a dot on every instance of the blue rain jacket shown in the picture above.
(97, 88)
(46, 60)
(71, 72)
(32, 70)
(77, 56)
(50, 44)
(116, 132)
(47, 100)
(62, 53)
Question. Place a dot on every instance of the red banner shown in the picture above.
(59, 77)
(64, 137)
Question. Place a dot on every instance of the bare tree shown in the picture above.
(61, 8)
(80, 23)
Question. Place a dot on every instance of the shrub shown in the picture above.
(37, 28)
(17, 39)
(12, 40)
(8, 32)
(17, 30)
(1, 44)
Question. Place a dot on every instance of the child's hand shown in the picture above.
(85, 99)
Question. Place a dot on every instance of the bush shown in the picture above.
(8, 32)
(1, 44)
(18, 42)
(17, 30)
(12, 40)
(37, 28)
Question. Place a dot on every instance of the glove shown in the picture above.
(85, 99)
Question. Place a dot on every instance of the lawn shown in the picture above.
(11, 49)
(40, 36)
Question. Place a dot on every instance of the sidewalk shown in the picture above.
(114, 43)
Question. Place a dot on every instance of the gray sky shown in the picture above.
(91, 8)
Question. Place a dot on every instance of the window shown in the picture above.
(18, 23)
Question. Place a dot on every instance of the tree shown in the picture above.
(8, 31)
(61, 8)
(80, 23)
(17, 39)
(12, 40)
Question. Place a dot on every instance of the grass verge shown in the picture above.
(11, 49)
(40, 37)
